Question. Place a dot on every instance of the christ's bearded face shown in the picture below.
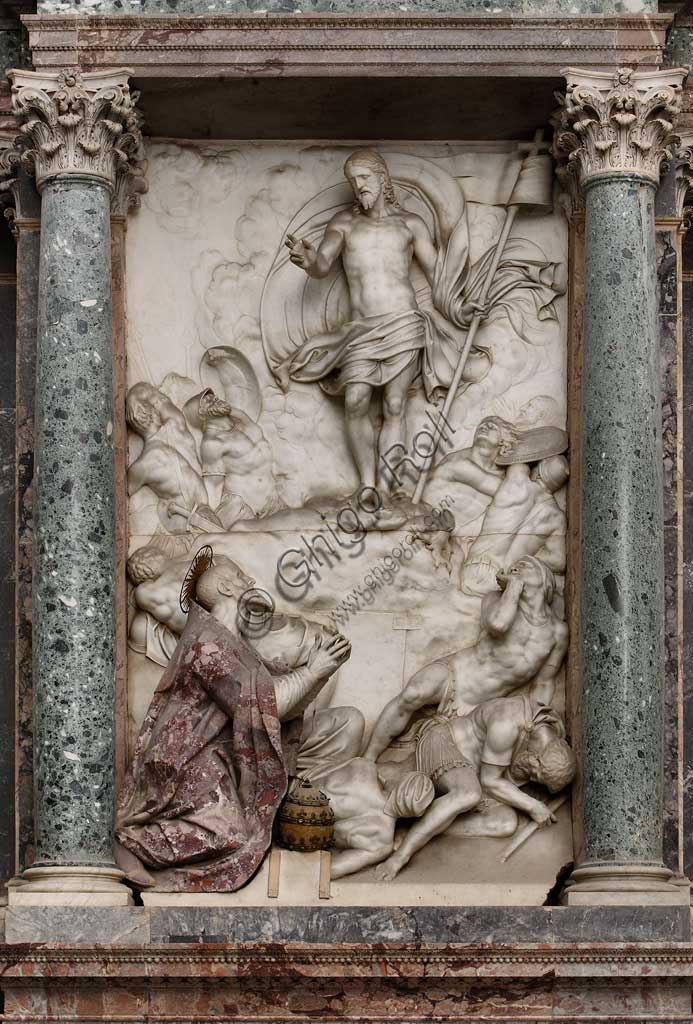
(367, 184)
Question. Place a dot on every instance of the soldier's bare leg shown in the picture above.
(360, 431)
(493, 820)
(459, 791)
(427, 686)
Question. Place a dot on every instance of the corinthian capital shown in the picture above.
(76, 123)
(616, 123)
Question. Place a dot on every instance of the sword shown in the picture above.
(530, 828)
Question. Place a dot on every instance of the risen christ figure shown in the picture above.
(381, 346)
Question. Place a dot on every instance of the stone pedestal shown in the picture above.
(78, 132)
(615, 129)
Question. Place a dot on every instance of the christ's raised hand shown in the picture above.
(301, 253)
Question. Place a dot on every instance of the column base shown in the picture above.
(72, 886)
(625, 885)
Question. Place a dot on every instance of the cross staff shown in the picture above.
(514, 204)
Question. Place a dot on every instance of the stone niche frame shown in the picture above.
(365, 963)
(383, 48)
(186, 67)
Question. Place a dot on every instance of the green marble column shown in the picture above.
(72, 126)
(603, 127)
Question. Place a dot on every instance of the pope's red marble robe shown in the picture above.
(210, 767)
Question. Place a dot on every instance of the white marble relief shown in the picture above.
(287, 360)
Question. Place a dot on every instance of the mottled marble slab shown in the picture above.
(421, 924)
(495, 925)
(78, 925)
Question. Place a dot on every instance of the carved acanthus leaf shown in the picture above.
(77, 124)
(616, 123)
(684, 176)
(10, 160)
(131, 179)
(571, 200)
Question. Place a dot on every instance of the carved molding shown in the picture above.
(420, 960)
(616, 123)
(82, 124)
(368, 982)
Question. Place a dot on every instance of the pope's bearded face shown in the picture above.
(367, 184)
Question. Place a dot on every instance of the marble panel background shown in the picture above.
(679, 44)
(28, 246)
(669, 313)
(14, 51)
(687, 646)
(559, 8)
(7, 559)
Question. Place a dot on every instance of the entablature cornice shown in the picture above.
(349, 46)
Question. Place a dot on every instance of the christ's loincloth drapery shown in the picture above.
(376, 349)
(211, 765)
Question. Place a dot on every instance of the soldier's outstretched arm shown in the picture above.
(494, 782)
(428, 686)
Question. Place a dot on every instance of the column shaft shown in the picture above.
(622, 555)
(74, 562)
